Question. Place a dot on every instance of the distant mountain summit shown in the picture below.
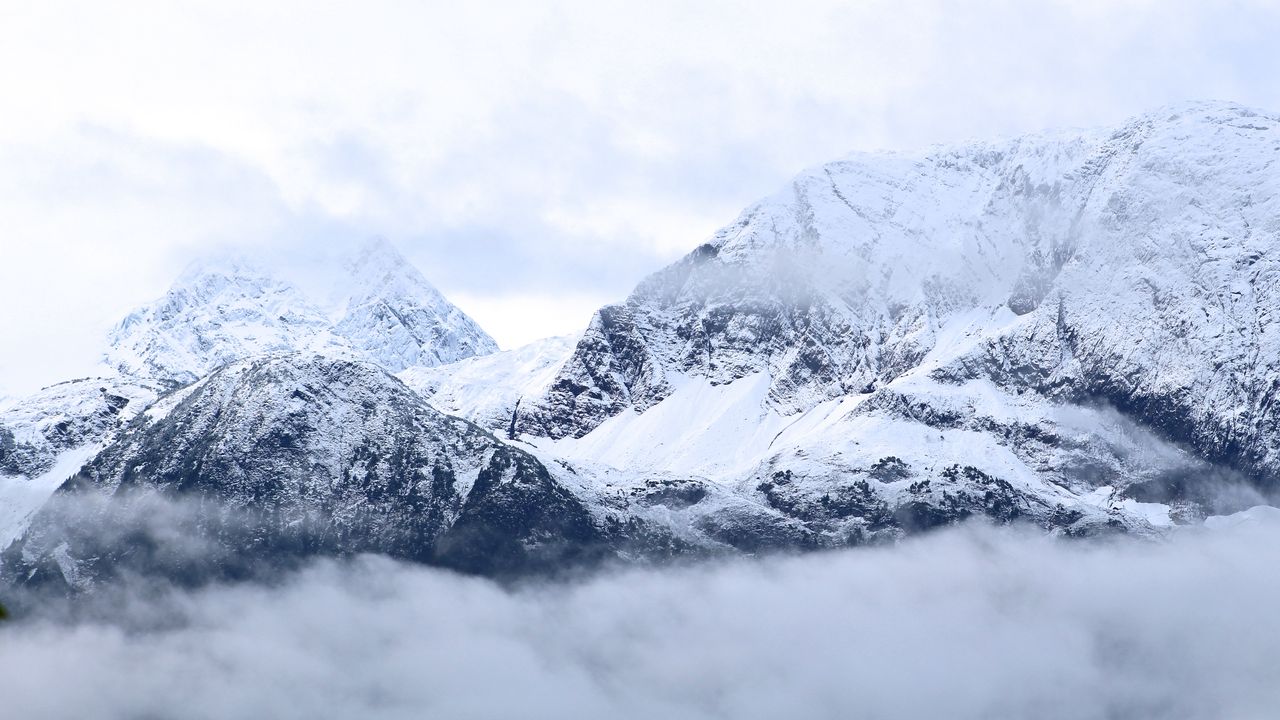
(399, 320)
(218, 312)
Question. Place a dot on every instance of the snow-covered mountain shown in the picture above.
(399, 320)
(215, 313)
(221, 311)
(285, 456)
(1071, 329)
(1078, 320)
(1159, 234)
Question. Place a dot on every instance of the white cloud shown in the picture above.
(540, 315)
(534, 146)
(974, 623)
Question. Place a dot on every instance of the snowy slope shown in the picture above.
(487, 388)
(699, 429)
(21, 497)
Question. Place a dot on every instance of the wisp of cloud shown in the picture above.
(971, 623)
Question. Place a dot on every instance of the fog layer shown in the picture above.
(973, 623)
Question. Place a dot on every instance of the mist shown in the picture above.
(970, 623)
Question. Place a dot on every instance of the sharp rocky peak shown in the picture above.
(216, 312)
(377, 268)
(396, 316)
(228, 308)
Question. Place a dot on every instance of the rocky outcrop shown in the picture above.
(271, 460)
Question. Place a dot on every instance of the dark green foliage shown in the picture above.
(853, 499)
(889, 469)
(674, 494)
(967, 492)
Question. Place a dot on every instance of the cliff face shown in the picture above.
(274, 459)
(1136, 264)
(1088, 318)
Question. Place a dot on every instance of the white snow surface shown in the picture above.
(700, 429)
(1257, 515)
(486, 388)
(227, 309)
(399, 320)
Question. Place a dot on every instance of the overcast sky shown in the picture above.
(534, 159)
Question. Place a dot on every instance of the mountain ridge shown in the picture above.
(1074, 331)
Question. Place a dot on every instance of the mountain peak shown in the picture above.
(218, 310)
(1207, 109)
(376, 250)
(220, 265)
(226, 307)
(399, 318)
(378, 269)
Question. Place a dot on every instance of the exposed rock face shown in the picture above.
(278, 458)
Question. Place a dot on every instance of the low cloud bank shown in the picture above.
(973, 623)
